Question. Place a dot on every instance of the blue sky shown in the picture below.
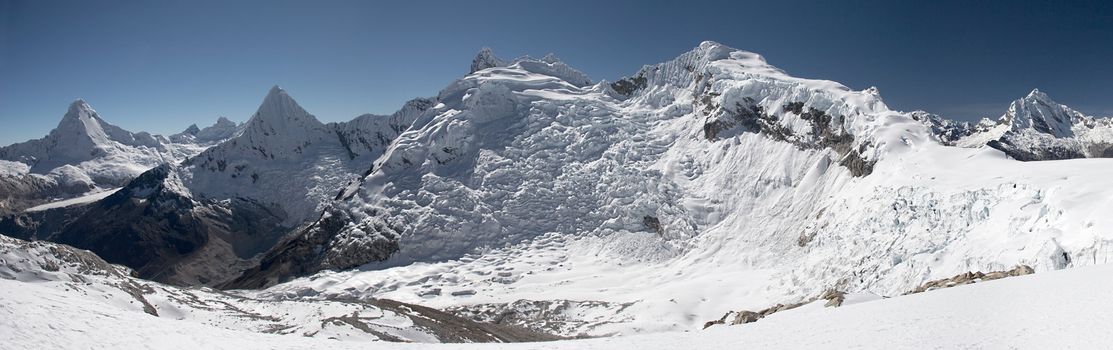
(159, 66)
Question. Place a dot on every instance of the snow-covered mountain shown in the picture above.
(205, 219)
(84, 154)
(680, 192)
(512, 153)
(701, 185)
(1037, 128)
(285, 157)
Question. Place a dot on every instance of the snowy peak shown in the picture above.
(223, 122)
(1036, 127)
(278, 107)
(191, 130)
(1038, 112)
(683, 70)
(485, 59)
(552, 66)
(222, 130)
(82, 122)
(549, 65)
(280, 121)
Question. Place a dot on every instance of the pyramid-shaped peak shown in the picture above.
(1037, 111)
(279, 114)
(278, 105)
(79, 131)
(1038, 95)
(80, 116)
(192, 130)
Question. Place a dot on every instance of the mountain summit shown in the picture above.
(1035, 127)
(1037, 111)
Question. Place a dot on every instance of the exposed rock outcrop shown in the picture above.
(972, 277)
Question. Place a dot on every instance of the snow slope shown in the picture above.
(705, 184)
(54, 296)
(1061, 309)
(74, 201)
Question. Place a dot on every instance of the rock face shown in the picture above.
(167, 236)
(309, 251)
(972, 277)
(561, 317)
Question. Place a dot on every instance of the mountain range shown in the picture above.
(527, 196)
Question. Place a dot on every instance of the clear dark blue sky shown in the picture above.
(161, 65)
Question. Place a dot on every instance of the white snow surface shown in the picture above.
(522, 185)
(1061, 309)
(89, 198)
(54, 296)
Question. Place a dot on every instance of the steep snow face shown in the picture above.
(1037, 128)
(281, 129)
(284, 157)
(697, 186)
(510, 153)
(368, 135)
(507, 154)
(1038, 112)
